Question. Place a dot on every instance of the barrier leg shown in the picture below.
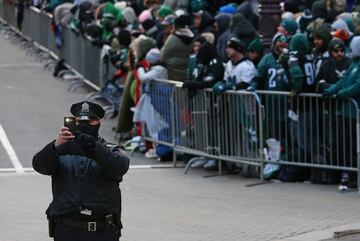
(191, 161)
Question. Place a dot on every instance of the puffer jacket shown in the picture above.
(175, 53)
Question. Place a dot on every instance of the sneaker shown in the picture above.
(211, 165)
(151, 154)
(343, 188)
(198, 164)
(344, 179)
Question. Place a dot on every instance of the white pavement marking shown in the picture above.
(25, 169)
(30, 169)
(149, 166)
(10, 151)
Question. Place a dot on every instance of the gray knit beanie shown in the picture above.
(153, 56)
(355, 47)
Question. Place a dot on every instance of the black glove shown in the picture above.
(71, 147)
(185, 85)
(326, 94)
(87, 142)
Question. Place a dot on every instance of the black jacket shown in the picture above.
(331, 72)
(83, 177)
(212, 71)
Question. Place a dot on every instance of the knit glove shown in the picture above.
(87, 142)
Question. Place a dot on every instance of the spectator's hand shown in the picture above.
(64, 136)
(187, 85)
(341, 95)
(326, 94)
(322, 86)
(293, 94)
(219, 88)
(251, 88)
(86, 141)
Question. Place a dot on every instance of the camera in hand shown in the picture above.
(70, 122)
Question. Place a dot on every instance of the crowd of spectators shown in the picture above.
(216, 44)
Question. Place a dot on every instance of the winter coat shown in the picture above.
(83, 178)
(331, 71)
(246, 9)
(208, 76)
(241, 27)
(223, 22)
(155, 72)
(175, 53)
(63, 15)
(348, 87)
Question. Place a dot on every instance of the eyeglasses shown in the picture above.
(338, 51)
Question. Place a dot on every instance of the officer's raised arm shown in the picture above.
(46, 161)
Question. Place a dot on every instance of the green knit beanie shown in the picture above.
(256, 45)
(299, 42)
(164, 11)
(290, 25)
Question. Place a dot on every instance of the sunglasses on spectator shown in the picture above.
(338, 50)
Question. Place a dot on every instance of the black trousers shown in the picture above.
(66, 233)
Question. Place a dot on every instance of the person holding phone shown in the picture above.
(86, 172)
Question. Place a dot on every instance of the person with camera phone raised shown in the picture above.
(86, 172)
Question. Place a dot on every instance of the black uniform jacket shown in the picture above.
(83, 178)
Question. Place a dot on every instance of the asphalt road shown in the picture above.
(159, 204)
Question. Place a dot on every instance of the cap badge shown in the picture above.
(85, 107)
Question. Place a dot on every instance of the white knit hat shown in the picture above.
(355, 46)
(121, 5)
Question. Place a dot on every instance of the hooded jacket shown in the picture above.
(207, 23)
(246, 9)
(322, 54)
(301, 64)
(241, 27)
(223, 23)
(175, 53)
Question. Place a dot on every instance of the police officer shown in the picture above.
(85, 171)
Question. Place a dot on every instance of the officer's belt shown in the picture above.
(83, 225)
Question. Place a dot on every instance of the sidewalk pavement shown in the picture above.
(163, 204)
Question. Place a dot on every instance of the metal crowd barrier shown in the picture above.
(314, 132)
(78, 52)
(223, 127)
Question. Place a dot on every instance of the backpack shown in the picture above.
(321, 175)
(290, 173)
